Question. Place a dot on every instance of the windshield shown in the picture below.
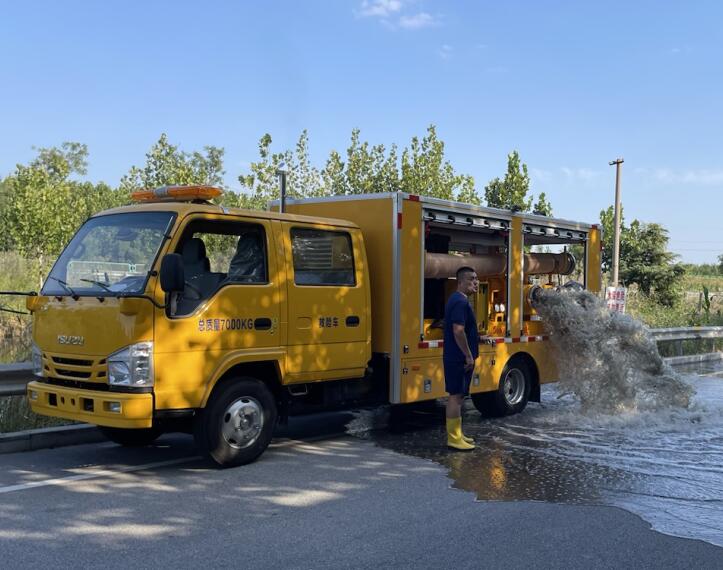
(109, 255)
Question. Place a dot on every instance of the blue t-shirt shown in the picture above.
(459, 311)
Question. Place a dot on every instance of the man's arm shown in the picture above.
(461, 339)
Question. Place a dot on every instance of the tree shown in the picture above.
(426, 172)
(364, 168)
(720, 264)
(43, 206)
(511, 192)
(261, 183)
(644, 257)
(542, 207)
(369, 169)
(167, 165)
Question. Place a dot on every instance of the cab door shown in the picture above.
(329, 328)
(230, 305)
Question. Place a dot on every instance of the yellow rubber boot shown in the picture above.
(454, 435)
(467, 438)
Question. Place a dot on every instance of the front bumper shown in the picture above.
(136, 410)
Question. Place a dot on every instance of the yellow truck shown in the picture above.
(177, 314)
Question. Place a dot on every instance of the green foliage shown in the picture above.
(705, 304)
(167, 165)
(644, 257)
(16, 415)
(368, 168)
(542, 207)
(703, 269)
(511, 193)
(427, 173)
(43, 206)
(364, 168)
(262, 182)
(689, 309)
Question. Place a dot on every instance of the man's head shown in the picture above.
(467, 281)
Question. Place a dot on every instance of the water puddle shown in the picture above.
(621, 428)
(666, 466)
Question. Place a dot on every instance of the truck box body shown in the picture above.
(396, 228)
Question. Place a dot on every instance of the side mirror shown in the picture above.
(172, 274)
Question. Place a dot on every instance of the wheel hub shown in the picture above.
(514, 386)
(242, 422)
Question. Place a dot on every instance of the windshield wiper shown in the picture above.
(20, 293)
(65, 286)
(99, 284)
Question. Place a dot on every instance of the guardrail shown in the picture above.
(14, 377)
(677, 335)
(686, 333)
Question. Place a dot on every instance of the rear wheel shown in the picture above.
(131, 437)
(236, 425)
(511, 395)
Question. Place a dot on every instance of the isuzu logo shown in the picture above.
(67, 339)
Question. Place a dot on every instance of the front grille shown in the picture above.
(78, 384)
(72, 373)
(72, 367)
(97, 387)
(71, 361)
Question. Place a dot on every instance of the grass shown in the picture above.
(15, 415)
(688, 311)
(697, 282)
(17, 275)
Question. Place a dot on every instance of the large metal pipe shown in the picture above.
(445, 265)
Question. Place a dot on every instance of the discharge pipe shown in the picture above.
(445, 265)
(534, 293)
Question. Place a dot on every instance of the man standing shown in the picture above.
(461, 348)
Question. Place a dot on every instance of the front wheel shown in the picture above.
(131, 437)
(236, 425)
(511, 395)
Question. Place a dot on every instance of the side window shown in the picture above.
(217, 254)
(322, 257)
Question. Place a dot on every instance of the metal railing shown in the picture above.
(678, 335)
(686, 333)
(14, 377)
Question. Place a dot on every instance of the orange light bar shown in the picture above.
(176, 194)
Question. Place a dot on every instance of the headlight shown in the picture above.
(37, 358)
(132, 366)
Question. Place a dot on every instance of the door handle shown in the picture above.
(262, 324)
(352, 321)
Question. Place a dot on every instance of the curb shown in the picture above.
(45, 438)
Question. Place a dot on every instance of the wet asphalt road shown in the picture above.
(316, 499)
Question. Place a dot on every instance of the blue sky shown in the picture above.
(571, 85)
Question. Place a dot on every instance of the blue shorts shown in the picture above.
(456, 378)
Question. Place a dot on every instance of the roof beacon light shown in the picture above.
(176, 194)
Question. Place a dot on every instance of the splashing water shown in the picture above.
(607, 359)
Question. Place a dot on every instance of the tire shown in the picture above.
(512, 394)
(131, 437)
(237, 423)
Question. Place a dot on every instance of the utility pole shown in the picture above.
(616, 239)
